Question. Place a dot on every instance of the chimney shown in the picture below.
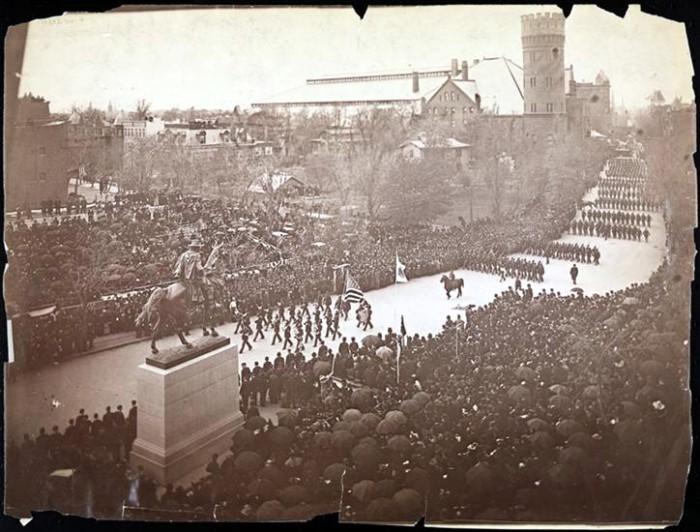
(415, 82)
(465, 71)
(454, 68)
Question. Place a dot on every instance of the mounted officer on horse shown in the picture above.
(196, 285)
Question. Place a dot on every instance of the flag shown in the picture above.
(403, 327)
(352, 293)
(400, 271)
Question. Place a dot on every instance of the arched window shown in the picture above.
(555, 53)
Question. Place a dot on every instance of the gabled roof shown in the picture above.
(468, 87)
(274, 182)
(449, 143)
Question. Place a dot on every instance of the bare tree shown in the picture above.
(143, 109)
(373, 153)
(141, 164)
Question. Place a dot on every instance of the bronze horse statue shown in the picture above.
(452, 284)
(172, 302)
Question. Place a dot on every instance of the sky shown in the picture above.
(223, 57)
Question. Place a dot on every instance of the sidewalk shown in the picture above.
(110, 341)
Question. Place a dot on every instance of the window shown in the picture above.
(440, 97)
(453, 110)
(555, 53)
(533, 107)
(550, 108)
(42, 150)
(464, 110)
(548, 81)
(457, 96)
(533, 81)
(471, 109)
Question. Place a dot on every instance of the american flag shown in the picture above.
(352, 293)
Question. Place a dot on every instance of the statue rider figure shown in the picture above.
(190, 272)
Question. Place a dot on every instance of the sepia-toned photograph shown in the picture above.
(273, 263)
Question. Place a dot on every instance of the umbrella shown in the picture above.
(561, 475)
(559, 389)
(386, 427)
(288, 417)
(418, 479)
(525, 373)
(322, 439)
(362, 399)
(568, 427)
(381, 509)
(577, 289)
(369, 440)
(352, 414)
(630, 301)
(359, 430)
(541, 440)
(367, 457)
(341, 425)
(410, 502)
(321, 367)
(631, 409)
(560, 402)
(572, 456)
(628, 431)
(362, 491)
(591, 392)
(385, 488)
(262, 489)
(292, 495)
(536, 424)
(400, 444)
(519, 393)
(335, 472)
(421, 397)
(651, 368)
(255, 423)
(243, 440)
(248, 462)
(480, 477)
(343, 440)
(370, 420)
(293, 462)
(396, 416)
(269, 511)
(410, 406)
(371, 340)
(582, 440)
(385, 353)
(281, 438)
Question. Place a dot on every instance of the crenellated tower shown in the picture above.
(543, 63)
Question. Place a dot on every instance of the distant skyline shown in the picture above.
(223, 57)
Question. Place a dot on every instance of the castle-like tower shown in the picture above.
(543, 63)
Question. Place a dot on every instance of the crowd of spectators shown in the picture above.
(543, 407)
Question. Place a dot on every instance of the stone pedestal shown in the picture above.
(188, 411)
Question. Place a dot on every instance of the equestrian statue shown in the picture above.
(196, 285)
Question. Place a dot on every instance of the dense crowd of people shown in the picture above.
(535, 407)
